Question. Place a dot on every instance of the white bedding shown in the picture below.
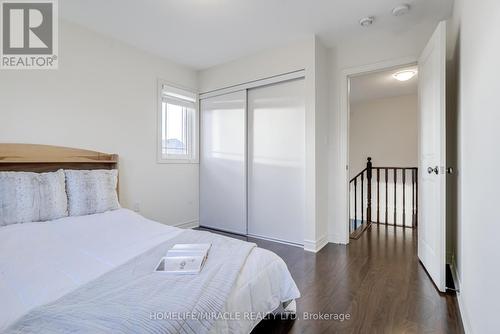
(40, 262)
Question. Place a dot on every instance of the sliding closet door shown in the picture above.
(276, 182)
(223, 162)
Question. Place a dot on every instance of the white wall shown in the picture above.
(475, 58)
(257, 66)
(103, 98)
(384, 129)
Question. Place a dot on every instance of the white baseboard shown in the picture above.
(460, 298)
(315, 245)
(463, 313)
(189, 224)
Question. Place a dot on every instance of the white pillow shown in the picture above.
(91, 191)
(31, 197)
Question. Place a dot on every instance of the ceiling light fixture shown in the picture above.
(404, 75)
(401, 10)
(366, 21)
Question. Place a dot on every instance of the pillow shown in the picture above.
(31, 197)
(91, 191)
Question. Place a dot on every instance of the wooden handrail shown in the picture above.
(358, 175)
(407, 168)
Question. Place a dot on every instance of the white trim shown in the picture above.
(255, 83)
(179, 93)
(189, 224)
(463, 314)
(343, 121)
(461, 306)
(461, 302)
(315, 245)
(177, 101)
(194, 159)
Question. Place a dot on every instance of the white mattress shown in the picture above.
(40, 262)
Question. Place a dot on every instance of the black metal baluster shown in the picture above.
(350, 203)
(362, 196)
(386, 196)
(355, 202)
(416, 197)
(412, 198)
(404, 196)
(378, 196)
(369, 191)
(395, 180)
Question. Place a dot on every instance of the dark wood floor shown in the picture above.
(376, 279)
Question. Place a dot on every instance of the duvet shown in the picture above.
(94, 274)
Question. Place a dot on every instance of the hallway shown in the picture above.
(377, 280)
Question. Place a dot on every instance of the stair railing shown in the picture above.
(402, 178)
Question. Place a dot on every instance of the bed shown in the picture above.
(44, 263)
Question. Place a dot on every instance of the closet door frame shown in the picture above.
(299, 74)
(281, 78)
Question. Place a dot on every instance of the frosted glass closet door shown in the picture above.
(276, 169)
(223, 162)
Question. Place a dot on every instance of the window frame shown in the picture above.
(193, 137)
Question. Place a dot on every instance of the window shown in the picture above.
(178, 125)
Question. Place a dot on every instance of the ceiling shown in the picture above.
(381, 85)
(204, 33)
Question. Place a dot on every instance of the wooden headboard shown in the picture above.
(46, 158)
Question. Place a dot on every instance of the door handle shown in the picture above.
(431, 170)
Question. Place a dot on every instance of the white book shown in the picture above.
(184, 259)
(184, 253)
(181, 265)
(204, 247)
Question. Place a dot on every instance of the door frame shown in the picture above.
(343, 121)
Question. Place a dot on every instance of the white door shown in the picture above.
(276, 154)
(223, 162)
(432, 157)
